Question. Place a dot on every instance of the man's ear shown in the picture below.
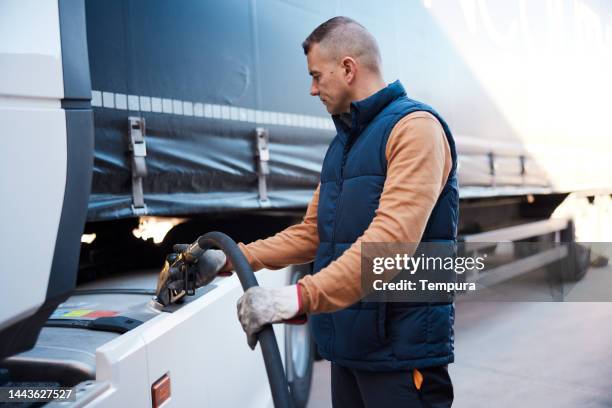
(349, 68)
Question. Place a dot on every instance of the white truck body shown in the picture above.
(33, 167)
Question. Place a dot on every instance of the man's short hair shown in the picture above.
(343, 36)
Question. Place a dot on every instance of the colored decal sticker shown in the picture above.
(57, 313)
(77, 313)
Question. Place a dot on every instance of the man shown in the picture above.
(388, 176)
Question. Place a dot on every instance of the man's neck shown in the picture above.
(370, 87)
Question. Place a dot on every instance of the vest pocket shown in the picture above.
(407, 329)
(356, 334)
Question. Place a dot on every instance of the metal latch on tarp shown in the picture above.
(138, 150)
(262, 157)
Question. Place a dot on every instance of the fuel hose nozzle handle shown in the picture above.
(177, 266)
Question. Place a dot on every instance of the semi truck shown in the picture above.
(132, 125)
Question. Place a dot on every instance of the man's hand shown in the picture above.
(205, 268)
(260, 306)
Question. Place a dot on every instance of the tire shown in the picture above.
(299, 353)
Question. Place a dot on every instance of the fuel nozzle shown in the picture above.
(176, 279)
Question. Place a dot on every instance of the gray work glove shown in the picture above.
(205, 268)
(260, 306)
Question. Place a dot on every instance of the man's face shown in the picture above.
(328, 81)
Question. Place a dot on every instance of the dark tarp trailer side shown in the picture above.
(205, 74)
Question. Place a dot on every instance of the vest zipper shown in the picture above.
(340, 182)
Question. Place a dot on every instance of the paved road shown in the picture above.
(528, 354)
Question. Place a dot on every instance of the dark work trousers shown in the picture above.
(356, 388)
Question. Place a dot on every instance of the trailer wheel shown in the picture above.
(299, 353)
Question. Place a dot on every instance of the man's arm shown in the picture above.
(419, 161)
(294, 245)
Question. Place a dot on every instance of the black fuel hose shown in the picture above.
(267, 340)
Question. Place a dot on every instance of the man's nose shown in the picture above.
(314, 90)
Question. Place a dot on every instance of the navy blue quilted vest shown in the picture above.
(367, 335)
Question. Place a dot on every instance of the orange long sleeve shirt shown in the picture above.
(418, 164)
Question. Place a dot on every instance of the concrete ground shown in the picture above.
(527, 354)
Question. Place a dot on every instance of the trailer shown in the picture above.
(131, 125)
